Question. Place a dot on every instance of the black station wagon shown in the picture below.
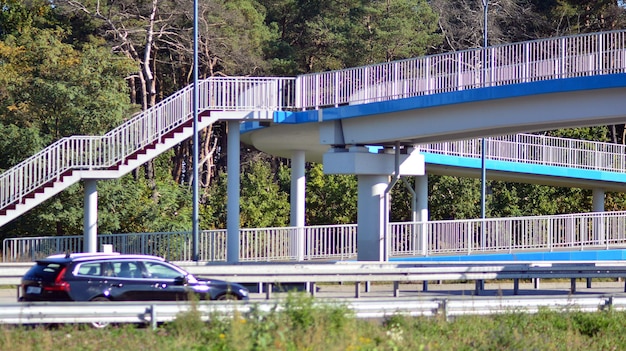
(116, 277)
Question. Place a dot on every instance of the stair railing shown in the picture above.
(102, 152)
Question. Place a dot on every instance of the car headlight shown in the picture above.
(243, 292)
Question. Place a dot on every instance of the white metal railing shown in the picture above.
(581, 231)
(601, 230)
(553, 58)
(260, 244)
(539, 149)
(102, 152)
(176, 246)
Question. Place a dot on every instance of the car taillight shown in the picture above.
(59, 283)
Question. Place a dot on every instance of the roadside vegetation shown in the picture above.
(299, 323)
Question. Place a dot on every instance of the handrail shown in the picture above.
(539, 149)
(543, 59)
(102, 152)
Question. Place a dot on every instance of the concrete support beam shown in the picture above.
(598, 200)
(298, 200)
(598, 223)
(371, 219)
(90, 220)
(421, 191)
(374, 171)
(233, 193)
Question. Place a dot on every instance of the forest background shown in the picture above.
(70, 67)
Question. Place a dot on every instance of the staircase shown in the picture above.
(138, 140)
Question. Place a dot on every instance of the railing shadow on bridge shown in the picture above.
(576, 232)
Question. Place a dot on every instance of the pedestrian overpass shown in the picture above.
(336, 117)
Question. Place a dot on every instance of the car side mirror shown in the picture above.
(182, 280)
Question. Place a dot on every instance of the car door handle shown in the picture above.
(160, 285)
(118, 285)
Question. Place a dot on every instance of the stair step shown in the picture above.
(178, 129)
(135, 155)
(41, 189)
(8, 208)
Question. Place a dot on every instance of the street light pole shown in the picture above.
(195, 180)
(483, 170)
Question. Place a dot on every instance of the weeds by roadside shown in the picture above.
(302, 323)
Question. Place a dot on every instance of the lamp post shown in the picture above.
(195, 180)
(483, 169)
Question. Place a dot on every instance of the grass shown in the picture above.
(300, 323)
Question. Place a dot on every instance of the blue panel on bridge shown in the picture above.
(592, 255)
(527, 168)
(456, 97)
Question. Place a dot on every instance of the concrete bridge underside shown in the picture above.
(530, 107)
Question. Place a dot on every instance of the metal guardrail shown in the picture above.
(265, 276)
(153, 313)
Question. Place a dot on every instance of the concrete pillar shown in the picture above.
(598, 223)
(298, 197)
(233, 193)
(374, 173)
(421, 191)
(598, 200)
(371, 218)
(90, 221)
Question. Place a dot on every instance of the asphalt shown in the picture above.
(8, 295)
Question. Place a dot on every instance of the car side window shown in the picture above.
(126, 269)
(159, 270)
(91, 268)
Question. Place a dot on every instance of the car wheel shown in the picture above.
(100, 325)
(227, 296)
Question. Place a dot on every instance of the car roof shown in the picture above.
(90, 256)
